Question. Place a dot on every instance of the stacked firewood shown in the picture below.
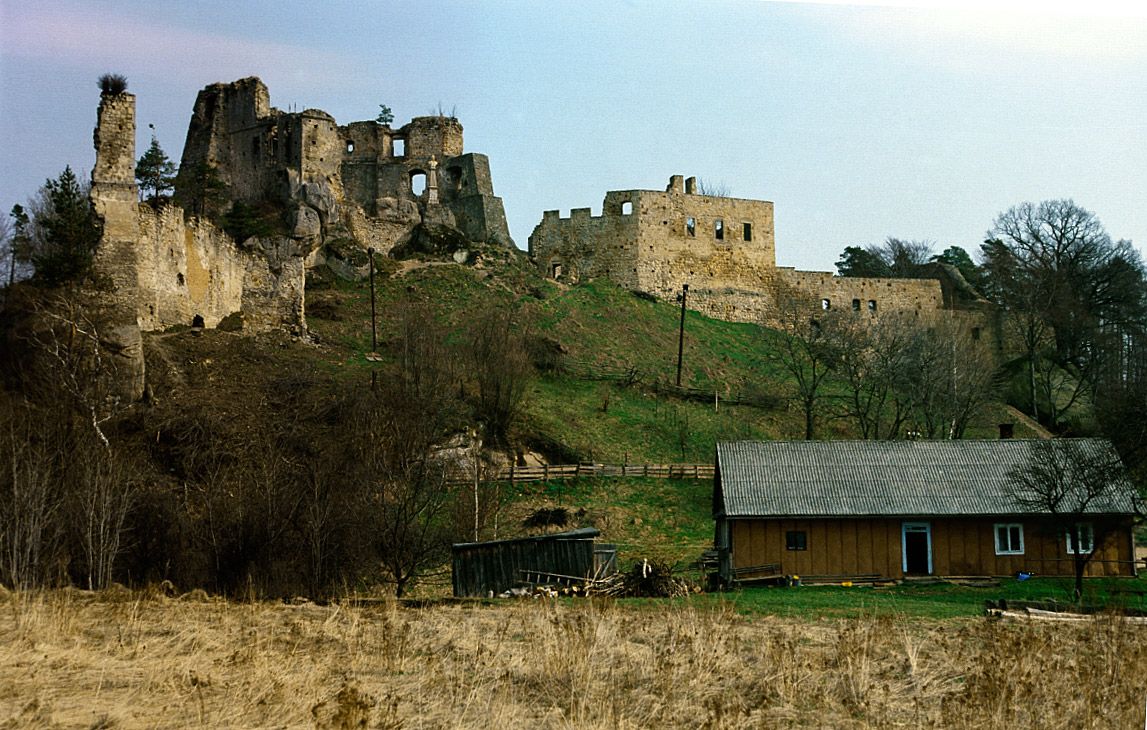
(646, 579)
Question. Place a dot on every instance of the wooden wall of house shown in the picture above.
(960, 546)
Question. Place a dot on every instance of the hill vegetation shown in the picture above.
(280, 464)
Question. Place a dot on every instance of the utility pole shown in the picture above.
(681, 334)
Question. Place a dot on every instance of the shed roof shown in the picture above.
(876, 478)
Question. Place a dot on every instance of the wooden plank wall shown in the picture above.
(960, 546)
(481, 568)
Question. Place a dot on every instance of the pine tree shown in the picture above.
(68, 231)
(155, 172)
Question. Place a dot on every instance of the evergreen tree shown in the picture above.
(200, 190)
(20, 240)
(68, 231)
(155, 172)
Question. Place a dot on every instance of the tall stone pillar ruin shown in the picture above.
(115, 199)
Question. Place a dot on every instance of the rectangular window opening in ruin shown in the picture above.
(556, 271)
(856, 305)
(398, 147)
(350, 147)
(872, 306)
(691, 226)
(825, 304)
(975, 333)
(719, 229)
(627, 208)
(747, 232)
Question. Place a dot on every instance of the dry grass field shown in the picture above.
(73, 659)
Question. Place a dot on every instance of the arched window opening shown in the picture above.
(825, 304)
(691, 226)
(417, 182)
(627, 208)
(350, 147)
(719, 229)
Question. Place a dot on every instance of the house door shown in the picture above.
(916, 544)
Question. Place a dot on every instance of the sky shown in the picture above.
(914, 119)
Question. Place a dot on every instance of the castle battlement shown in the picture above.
(724, 248)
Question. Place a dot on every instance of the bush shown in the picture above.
(113, 84)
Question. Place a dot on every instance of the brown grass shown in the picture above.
(73, 659)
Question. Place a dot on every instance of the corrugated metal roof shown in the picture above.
(859, 478)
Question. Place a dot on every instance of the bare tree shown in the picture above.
(1080, 484)
(397, 462)
(895, 258)
(102, 498)
(402, 478)
(31, 496)
(501, 368)
(713, 189)
(874, 356)
(1068, 292)
(807, 348)
(949, 378)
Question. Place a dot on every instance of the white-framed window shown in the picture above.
(1009, 538)
(1086, 538)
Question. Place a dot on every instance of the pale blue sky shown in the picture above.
(909, 119)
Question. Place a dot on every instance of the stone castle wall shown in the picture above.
(366, 172)
(162, 269)
(723, 248)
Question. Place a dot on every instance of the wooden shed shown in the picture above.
(490, 568)
(890, 509)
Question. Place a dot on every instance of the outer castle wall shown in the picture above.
(723, 248)
(162, 269)
(365, 184)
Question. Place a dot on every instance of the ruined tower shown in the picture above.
(114, 194)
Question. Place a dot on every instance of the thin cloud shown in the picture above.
(87, 37)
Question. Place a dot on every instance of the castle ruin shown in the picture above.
(322, 187)
(724, 248)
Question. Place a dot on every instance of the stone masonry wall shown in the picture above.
(864, 294)
(723, 248)
(162, 269)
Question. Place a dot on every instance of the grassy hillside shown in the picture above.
(607, 397)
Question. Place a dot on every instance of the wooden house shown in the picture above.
(891, 509)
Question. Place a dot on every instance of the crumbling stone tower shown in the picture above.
(364, 182)
(159, 269)
(114, 194)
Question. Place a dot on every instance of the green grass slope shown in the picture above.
(608, 397)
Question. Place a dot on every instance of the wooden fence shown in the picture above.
(546, 472)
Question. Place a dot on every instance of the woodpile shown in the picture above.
(646, 579)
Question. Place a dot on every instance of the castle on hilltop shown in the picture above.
(323, 190)
(724, 249)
